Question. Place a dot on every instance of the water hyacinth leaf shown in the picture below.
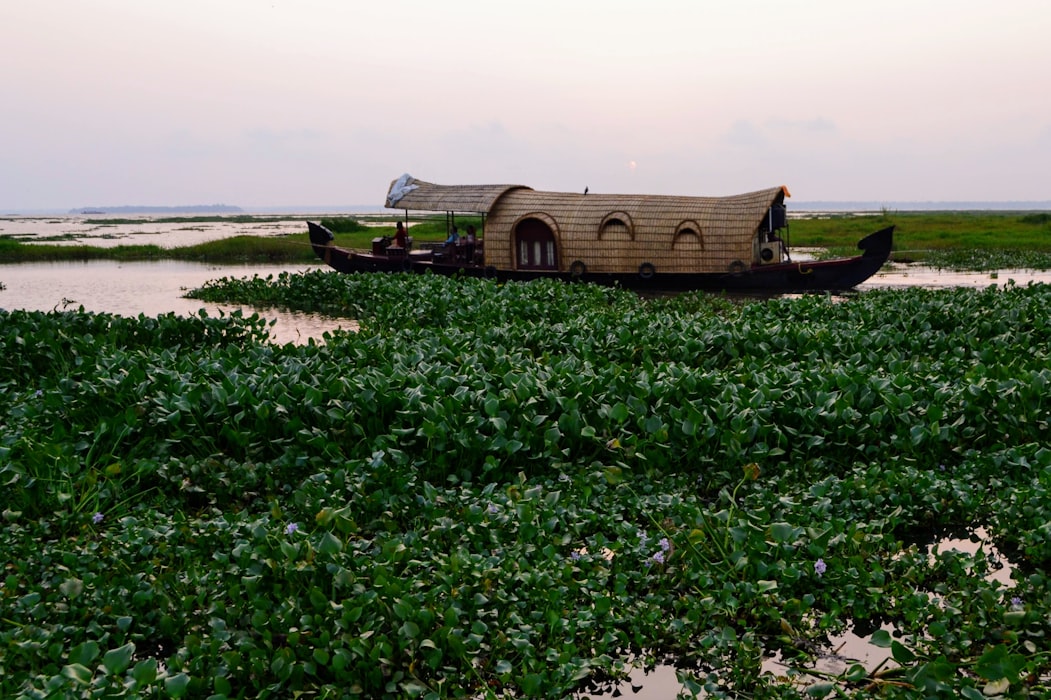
(330, 544)
(996, 688)
(77, 673)
(532, 684)
(71, 587)
(84, 654)
(880, 638)
(116, 660)
(223, 687)
(998, 662)
(145, 672)
(178, 685)
(901, 653)
(289, 550)
(783, 532)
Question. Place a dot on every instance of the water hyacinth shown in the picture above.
(399, 441)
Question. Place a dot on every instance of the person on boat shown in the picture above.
(469, 246)
(401, 237)
(454, 238)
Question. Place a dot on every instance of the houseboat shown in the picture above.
(736, 243)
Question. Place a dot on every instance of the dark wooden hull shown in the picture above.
(834, 275)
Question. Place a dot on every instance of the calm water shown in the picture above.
(153, 288)
(149, 288)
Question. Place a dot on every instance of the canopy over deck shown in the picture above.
(409, 193)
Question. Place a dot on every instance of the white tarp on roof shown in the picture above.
(399, 189)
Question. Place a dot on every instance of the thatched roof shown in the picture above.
(605, 232)
(409, 193)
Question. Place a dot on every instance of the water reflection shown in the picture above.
(149, 288)
(913, 275)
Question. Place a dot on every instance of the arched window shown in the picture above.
(688, 236)
(616, 225)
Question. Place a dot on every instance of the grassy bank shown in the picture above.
(516, 497)
(957, 240)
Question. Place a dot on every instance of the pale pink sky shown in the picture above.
(265, 103)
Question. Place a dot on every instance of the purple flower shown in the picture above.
(291, 528)
(820, 567)
(665, 544)
(493, 510)
(97, 518)
(1016, 602)
(38, 393)
(659, 557)
(574, 555)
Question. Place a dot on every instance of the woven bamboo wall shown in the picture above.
(654, 232)
(611, 233)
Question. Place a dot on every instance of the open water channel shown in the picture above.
(153, 288)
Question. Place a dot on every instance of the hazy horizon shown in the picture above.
(802, 206)
(252, 103)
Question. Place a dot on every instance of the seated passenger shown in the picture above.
(453, 239)
(401, 237)
(472, 240)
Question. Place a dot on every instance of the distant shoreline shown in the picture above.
(360, 209)
(1044, 205)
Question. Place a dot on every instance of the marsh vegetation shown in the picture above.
(952, 240)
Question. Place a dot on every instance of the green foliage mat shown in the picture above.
(513, 491)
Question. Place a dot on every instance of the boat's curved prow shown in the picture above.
(878, 244)
(319, 235)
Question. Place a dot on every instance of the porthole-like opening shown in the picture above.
(616, 225)
(688, 237)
